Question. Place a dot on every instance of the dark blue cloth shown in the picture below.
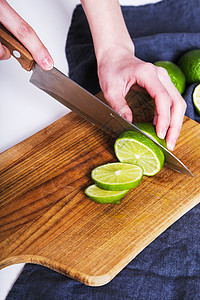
(169, 268)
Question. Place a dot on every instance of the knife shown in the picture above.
(76, 98)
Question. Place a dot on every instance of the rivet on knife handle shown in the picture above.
(17, 50)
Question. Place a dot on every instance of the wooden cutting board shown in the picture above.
(45, 217)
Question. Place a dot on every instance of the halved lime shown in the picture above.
(104, 196)
(135, 148)
(117, 176)
(196, 98)
(150, 129)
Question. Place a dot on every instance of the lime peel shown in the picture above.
(104, 196)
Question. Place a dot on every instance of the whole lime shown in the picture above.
(176, 74)
(190, 65)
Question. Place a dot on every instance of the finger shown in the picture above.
(177, 114)
(177, 111)
(118, 102)
(155, 117)
(4, 52)
(26, 35)
(148, 79)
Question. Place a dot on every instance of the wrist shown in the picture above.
(114, 52)
(107, 27)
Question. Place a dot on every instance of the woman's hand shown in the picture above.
(25, 34)
(119, 70)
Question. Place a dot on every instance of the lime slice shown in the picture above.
(135, 148)
(196, 98)
(104, 196)
(117, 176)
(150, 129)
(175, 73)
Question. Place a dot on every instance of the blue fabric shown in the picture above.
(169, 268)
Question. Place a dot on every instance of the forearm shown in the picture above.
(107, 26)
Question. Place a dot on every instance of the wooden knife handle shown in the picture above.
(17, 50)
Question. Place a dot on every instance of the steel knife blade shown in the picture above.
(76, 98)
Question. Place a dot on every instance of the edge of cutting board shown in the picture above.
(115, 233)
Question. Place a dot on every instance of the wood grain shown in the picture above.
(45, 217)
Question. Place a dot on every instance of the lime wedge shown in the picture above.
(117, 176)
(196, 98)
(104, 196)
(134, 148)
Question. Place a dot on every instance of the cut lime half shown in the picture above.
(196, 98)
(117, 176)
(104, 196)
(134, 148)
(150, 129)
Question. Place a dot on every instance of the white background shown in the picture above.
(24, 109)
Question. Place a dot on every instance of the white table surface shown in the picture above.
(24, 109)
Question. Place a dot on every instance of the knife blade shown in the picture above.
(76, 98)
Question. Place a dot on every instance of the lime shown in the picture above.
(117, 176)
(175, 73)
(196, 98)
(150, 129)
(135, 148)
(190, 65)
(104, 196)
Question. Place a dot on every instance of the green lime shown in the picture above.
(104, 196)
(196, 98)
(190, 65)
(135, 148)
(175, 73)
(150, 129)
(117, 176)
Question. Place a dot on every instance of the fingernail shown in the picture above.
(171, 145)
(162, 133)
(47, 63)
